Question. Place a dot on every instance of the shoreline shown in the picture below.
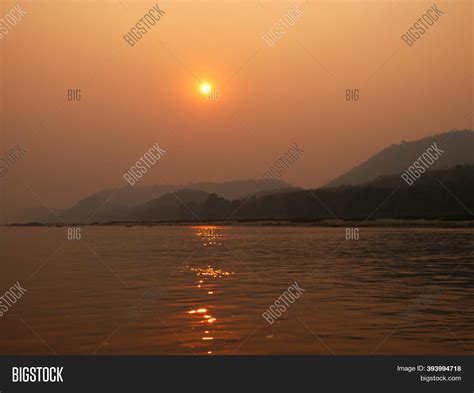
(378, 223)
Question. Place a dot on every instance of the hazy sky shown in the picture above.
(269, 97)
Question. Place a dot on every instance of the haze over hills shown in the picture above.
(131, 196)
(458, 147)
(438, 194)
(111, 204)
(351, 195)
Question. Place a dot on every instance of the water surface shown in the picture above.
(202, 290)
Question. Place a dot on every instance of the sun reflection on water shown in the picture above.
(210, 235)
(203, 319)
(209, 271)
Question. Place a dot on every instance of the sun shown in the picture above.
(205, 88)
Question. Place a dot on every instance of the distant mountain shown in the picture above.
(108, 205)
(365, 191)
(179, 205)
(458, 147)
(92, 208)
(437, 194)
(131, 196)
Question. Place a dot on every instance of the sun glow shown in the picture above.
(205, 88)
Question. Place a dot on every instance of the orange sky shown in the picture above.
(270, 97)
